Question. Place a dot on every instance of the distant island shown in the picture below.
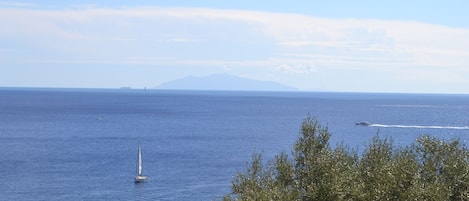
(223, 82)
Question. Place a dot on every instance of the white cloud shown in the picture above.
(292, 33)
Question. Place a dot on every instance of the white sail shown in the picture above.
(139, 162)
(139, 178)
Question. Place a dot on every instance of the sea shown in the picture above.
(81, 144)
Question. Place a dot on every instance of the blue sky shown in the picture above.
(354, 46)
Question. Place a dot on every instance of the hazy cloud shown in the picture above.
(16, 4)
(217, 30)
(297, 69)
(276, 42)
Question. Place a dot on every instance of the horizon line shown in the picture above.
(154, 89)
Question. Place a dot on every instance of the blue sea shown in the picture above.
(80, 144)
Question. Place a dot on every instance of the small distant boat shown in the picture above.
(362, 123)
(140, 177)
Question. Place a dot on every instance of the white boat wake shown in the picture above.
(422, 127)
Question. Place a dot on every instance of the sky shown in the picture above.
(350, 46)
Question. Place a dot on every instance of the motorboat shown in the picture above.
(362, 123)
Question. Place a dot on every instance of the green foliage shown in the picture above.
(429, 169)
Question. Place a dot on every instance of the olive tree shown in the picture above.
(429, 169)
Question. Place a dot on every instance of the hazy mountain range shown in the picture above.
(223, 82)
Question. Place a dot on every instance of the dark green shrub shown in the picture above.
(429, 169)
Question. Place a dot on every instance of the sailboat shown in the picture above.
(139, 178)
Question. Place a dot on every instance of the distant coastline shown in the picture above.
(209, 91)
(298, 93)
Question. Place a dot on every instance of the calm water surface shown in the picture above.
(82, 144)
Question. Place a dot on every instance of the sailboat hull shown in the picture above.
(139, 179)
